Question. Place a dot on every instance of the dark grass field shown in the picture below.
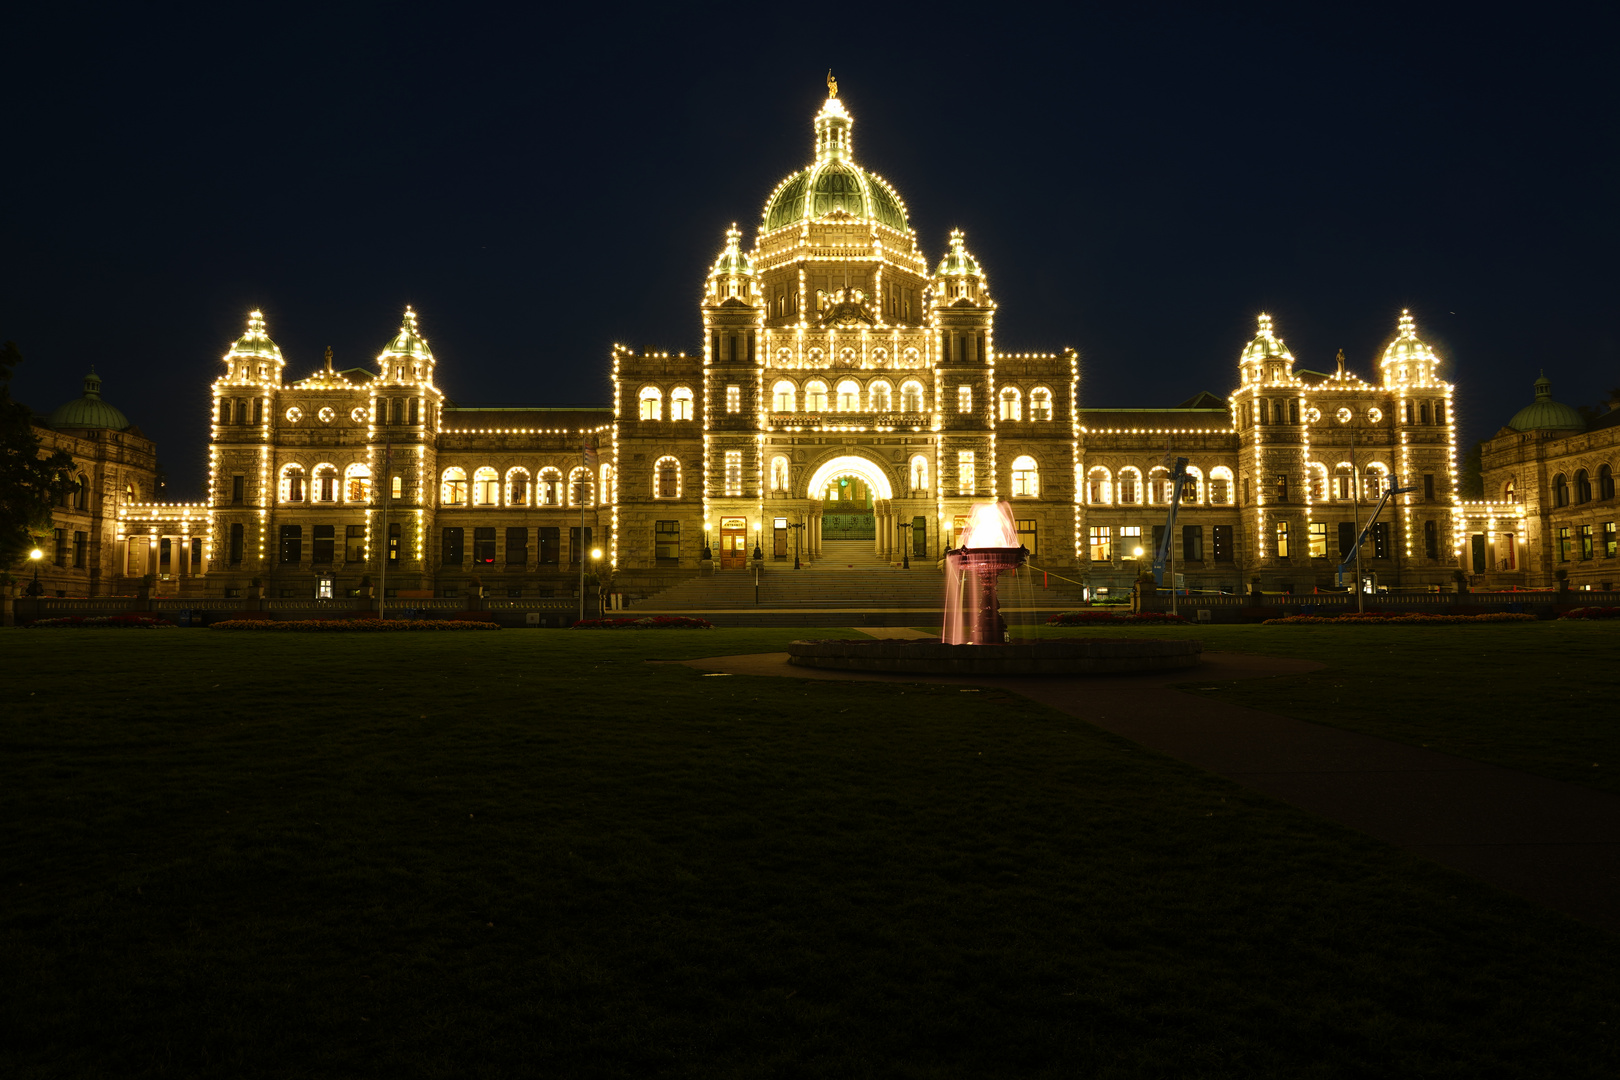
(533, 853)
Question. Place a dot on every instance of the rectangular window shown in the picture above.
(395, 534)
(1282, 539)
(1293, 411)
(61, 540)
(1347, 538)
(1265, 411)
(399, 487)
(1431, 540)
(966, 477)
(575, 552)
(1245, 491)
(484, 546)
(414, 412)
(236, 544)
(196, 554)
(1130, 542)
(1158, 542)
(517, 547)
(81, 541)
(733, 399)
(550, 545)
(1428, 487)
(325, 541)
(237, 483)
(1583, 534)
(1282, 488)
(258, 410)
(1477, 552)
(1318, 540)
(1608, 540)
(1102, 543)
(1192, 543)
(354, 543)
(964, 399)
(1409, 412)
(451, 550)
(1380, 539)
(667, 541)
(165, 554)
(292, 543)
(734, 479)
(1221, 542)
(1026, 534)
(1510, 551)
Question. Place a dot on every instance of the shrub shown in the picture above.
(1592, 613)
(338, 626)
(1389, 618)
(1082, 618)
(100, 622)
(653, 622)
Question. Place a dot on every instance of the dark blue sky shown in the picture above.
(542, 183)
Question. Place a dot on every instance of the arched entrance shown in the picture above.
(850, 494)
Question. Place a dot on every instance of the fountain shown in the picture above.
(973, 638)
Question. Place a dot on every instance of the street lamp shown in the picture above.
(35, 589)
(905, 544)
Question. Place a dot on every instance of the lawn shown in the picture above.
(532, 853)
(1533, 696)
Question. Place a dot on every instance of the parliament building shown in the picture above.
(849, 387)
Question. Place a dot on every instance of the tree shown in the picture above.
(1471, 482)
(30, 485)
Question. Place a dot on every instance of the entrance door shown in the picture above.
(733, 542)
(779, 543)
(919, 538)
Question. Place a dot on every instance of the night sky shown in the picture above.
(544, 183)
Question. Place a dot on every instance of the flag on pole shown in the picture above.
(588, 449)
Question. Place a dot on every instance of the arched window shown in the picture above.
(919, 473)
(667, 478)
(1583, 486)
(581, 491)
(486, 487)
(1159, 485)
(1344, 482)
(911, 397)
(1508, 494)
(815, 396)
(1026, 478)
(81, 494)
(779, 474)
(357, 483)
(517, 486)
(680, 403)
(1376, 478)
(1099, 486)
(548, 488)
(1560, 490)
(453, 487)
(783, 396)
(326, 483)
(1220, 486)
(849, 396)
(1130, 485)
(881, 396)
(129, 493)
(1012, 403)
(652, 403)
(1192, 487)
(292, 484)
(1040, 403)
(1605, 483)
(1316, 481)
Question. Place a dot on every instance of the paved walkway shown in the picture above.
(1555, 843)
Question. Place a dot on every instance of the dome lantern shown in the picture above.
(253, 357)
(407, 358)
(1265, 357)
(1407, 360)
(88, 411)
(733, 274)
(960, 276)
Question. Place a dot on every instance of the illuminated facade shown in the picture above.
(846, 384)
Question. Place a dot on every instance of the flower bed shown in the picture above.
(100, 622)
(1387, 618)
(1592, 613)
(338, 626)
(1084, 618)
(653, 622)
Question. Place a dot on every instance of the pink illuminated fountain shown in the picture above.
(989, 548)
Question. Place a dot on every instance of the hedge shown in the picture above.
(339, 626)
(96, 622)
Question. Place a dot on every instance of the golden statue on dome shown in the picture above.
(832, 84)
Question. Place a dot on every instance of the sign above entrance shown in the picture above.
(734, 523)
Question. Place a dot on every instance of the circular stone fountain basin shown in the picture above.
(1068, 656)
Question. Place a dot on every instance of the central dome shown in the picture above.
(834, 186)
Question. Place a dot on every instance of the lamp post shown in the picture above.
(35, 589)
(796, 529)
(905, 544)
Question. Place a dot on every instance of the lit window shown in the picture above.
(548, 488)
(1040, 403)
(964, 399)
(911, 397)
(517, 487)
(1130, 485)
(733, 398)
(486, 487)
(849, 396)
(1319, 539)
(815, 396)
(1102, 544)
(292, 484)
(880, 396)
(453, 487)
(783, 395)
(966, 479)
(1026, 478)
(667, 478)
(1099, 485)
(357, 484)
(399, 487)
(652, 403)
(1130, 542)
(1012, 404)
(919, 473)
(1282, 539)
(580, 491)
(680, 403)
(326, 483)
(734, 482)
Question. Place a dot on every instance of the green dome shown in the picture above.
(408, 342)
(834, 184)
(733, 261)
(88, 411)
(1265, 345)
(1546, 414)
(958, 261)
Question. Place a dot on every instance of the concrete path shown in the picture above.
(1552, 842)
